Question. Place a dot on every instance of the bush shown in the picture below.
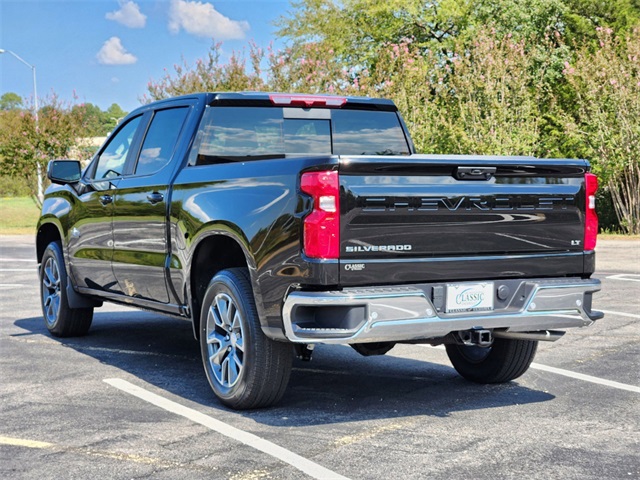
(11, 186)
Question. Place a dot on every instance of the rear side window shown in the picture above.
(238, 133)
(160, 140)
(229, 134)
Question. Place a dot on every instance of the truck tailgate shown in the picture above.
(445, 217)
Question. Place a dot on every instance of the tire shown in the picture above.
(502, 362)
(59, 318)
(245, 368)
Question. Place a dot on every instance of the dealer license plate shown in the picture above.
(469, 297)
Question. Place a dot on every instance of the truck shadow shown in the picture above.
(337, 386)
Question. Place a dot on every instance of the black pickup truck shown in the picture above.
(274, 222)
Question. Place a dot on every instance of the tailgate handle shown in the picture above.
(474, 173)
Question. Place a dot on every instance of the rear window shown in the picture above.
(229, 134)
(363, 132)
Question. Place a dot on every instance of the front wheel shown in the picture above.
(503, 361)
(60, 319)
(245, 368)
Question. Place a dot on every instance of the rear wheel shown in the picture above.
(60, 319)
(245, 368)
(504, 360)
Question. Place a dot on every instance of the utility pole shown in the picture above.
(35, 116)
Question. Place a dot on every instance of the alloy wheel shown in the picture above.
(51, 290)
(225, 340)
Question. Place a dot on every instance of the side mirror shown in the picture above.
(64, 172)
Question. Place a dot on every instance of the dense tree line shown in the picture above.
(547, 78)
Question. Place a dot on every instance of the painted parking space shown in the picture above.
(404, 414)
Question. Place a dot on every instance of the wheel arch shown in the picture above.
(49, 230)
(214, 251)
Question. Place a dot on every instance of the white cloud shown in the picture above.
(129, 15)
(203, 20)
(113, 53)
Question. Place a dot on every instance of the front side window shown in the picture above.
(160, 140)
(113, 157)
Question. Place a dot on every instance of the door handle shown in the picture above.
(155, 197)
(106, 200)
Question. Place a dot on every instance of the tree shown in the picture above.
(607, 91)
(584, 16)
(24, 145)
(111, 118)
(210, 75)
(10, 101)
(99, 123)
(313, 68)
(355, 29)
(477, 100)
(469, 76)
(93, 118)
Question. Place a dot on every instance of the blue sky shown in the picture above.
(106, 51)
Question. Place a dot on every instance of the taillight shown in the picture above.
(322, 225)
(591, 218)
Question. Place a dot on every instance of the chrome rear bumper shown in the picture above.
(406, 313)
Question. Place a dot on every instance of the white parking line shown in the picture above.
(622, 276)
(32, 269)
(307, 466)
(5, 259)
(12, 285)
(576, 375)
(622, 314)
(586, 378)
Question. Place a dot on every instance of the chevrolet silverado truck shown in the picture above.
(275, 222)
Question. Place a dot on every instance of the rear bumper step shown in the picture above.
(361, 315)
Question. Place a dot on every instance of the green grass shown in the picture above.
(18, 215)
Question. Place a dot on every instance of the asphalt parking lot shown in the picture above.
(130, 400)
